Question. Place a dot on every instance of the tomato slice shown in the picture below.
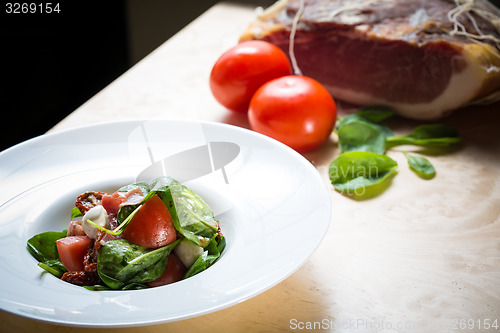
(152, 225)
(71, 251)
(174, 272)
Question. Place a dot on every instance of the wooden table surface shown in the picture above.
(422, 257)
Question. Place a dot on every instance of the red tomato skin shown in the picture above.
(71, 251)
(295, 110)
(174, 272)
(241, 70)
(152, 226)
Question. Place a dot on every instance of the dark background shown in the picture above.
(52, 63)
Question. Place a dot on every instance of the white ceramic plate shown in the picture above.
(271, 202)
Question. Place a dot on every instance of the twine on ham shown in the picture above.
(482, 8)
(293, 60)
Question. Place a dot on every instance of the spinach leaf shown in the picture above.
(193, 218)
(201, 264)
(421, 166)
(43, 246)
(44, 249)
(54, 267)
(207, 258)
(361, 174)
(121, 263)
(427, 135)
(360, 135)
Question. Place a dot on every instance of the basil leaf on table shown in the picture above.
(121, 263)
(421, 166)
(376, 113)
(361, 174)
(359, 135)
(355, 117)
(427, 135)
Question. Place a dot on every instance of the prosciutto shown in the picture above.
(425, 58)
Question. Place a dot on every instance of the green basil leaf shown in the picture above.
(43, 246)
(120, 263)
(355, 117)
(427, 135)
(376, 113)
(359, 135)
(421, 166)
(361, 174)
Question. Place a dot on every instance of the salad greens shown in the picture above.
(207, 258)
(121, 263)
(192, 217)
(43, 248)
(363, 141)
(124, 265)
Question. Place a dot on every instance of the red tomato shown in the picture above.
(174, 272)
(296, 110)
(71, 251)
(241, 70)
(152, 225)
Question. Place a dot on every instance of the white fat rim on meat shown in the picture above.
(461, 89)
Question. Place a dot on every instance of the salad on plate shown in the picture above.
(144, 235)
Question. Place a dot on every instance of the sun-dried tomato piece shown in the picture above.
(82, 278)
(86, 201)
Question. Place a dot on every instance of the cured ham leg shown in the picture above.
(425, 58)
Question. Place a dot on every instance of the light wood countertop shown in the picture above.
(421, 257)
